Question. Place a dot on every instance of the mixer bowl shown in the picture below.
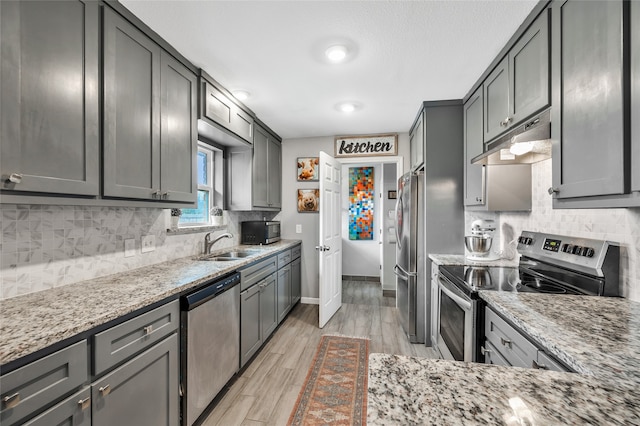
(478, 245)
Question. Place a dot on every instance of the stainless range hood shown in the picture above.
(528, 143)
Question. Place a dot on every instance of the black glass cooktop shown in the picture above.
(472, 279)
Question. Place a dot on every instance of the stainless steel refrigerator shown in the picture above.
(409, 269)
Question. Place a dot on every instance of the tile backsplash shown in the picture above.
(618, 225)
(49, 246)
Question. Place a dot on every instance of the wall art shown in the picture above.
(308, 200)
(361, 203)
(308, 169)
(366, 146)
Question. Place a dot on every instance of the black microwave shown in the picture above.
(259, 232)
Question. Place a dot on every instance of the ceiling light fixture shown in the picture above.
(347, 107)
(336, 53)
(241, 95)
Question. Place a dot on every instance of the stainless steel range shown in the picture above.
(552, 264)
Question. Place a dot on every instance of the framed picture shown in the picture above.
(392, 195)
(308, 200)
(308, 169)
(366, 146)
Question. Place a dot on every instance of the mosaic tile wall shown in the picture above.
(618, 225)
(49, 246)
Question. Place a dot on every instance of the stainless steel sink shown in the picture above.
(218, 258)
(228, 256)
(236, 254)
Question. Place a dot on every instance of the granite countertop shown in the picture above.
(35, 321)
(596, 336)
(415, 391)
(462, 260)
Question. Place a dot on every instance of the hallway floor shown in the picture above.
(266, 391)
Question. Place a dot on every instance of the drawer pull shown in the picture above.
(148, 330)
(105, 390)
(15, 178)
(84, 403)
(505, 342)
(11, 400)
(537, 366)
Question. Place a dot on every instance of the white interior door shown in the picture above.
(330, 241)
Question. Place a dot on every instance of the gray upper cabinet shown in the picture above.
(588, 99)
(179, 133)
(150, 133)
(417, 141)
(496, 101)
(220, 109)
(635, 95)
(260, 168)
(49, 110)
(274, 170)
(519, 86)
(131, 111)
(473, 146)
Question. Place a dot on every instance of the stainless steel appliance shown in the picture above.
(259, 232)
(211, 336)
(551, 264)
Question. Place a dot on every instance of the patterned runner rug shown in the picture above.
(335, 391)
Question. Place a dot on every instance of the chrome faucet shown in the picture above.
(208, 242)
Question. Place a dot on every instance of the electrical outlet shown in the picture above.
(298, 229)
(148, 243)
(129, 247)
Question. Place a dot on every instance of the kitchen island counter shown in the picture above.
(35, 321)
(410, 391)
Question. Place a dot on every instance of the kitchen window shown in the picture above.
(209, 166)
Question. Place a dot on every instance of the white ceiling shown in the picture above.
(404, 52)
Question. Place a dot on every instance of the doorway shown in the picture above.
(369, 261)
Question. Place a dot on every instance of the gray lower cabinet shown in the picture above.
(506, 345)
(150, 103)
(143, 391)
(250, 326)
(73, 411)
(49, 113)
(519, 86)
(417, 142)
(29, 389)
(296, 281)
(284, 292)
(588, 99)
(268, 306)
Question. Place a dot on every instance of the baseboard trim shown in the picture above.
(310, 300)
(389, 293)
(361, 278)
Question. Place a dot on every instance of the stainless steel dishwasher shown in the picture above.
(211, 338)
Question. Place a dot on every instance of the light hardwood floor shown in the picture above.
(266, 391)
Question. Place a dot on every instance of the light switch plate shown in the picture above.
(298, 229)
(148, 243)
(129, 247)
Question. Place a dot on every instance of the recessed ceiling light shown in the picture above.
(241, 95)
(348, 107)
(336, 53)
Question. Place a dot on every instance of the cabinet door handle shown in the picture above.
(15, 177)
(11, 401)
(484, 351)
(535, 365)
(155, 194)
(84, 403)
(553, 190)
(505, 342)
(164, 195)
(105, 390)
(505, 122)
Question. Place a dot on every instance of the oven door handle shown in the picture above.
(400, 272)
(465, 304)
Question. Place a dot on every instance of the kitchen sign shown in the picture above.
(366, 146)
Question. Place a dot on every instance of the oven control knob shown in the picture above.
(577, 250)
(569, 248)
(564, 248)
(588, 252)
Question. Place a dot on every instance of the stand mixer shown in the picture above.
(479, 243)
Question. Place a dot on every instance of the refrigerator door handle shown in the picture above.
(402, 273)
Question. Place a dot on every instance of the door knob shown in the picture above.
(323, 248)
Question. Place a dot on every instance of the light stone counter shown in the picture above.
(419, 391)
(35, 321)
(461, 260)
